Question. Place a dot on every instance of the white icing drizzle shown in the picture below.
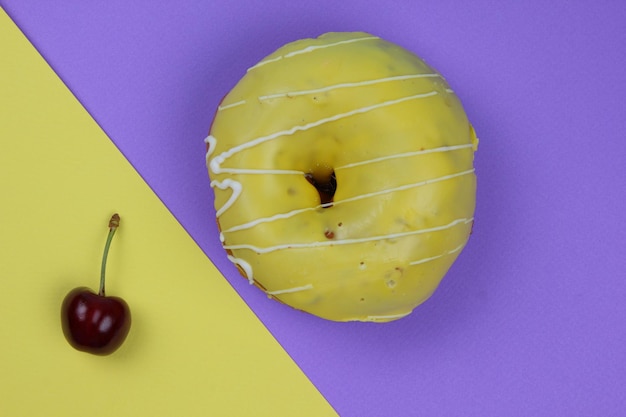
(233, 185)
(216, 162)
(406, 154)
(347, 85)
(310, 49)
(211, 141)
(432, 258)
(247, 268)
(292, 213)
(391, 316)
(261, 171)
(404, 187)
(287, 215)
(261, 250)
(231, 105)
(290, 290)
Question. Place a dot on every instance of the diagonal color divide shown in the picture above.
(195, 348)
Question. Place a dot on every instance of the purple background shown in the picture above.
(531, 320)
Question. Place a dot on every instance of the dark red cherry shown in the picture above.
(95, 323)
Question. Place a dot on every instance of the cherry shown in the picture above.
(95, 323)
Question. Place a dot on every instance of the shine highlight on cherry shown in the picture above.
(96, 323)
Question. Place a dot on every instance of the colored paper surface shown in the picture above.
(194, 349)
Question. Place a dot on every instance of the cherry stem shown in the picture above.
(114, 223)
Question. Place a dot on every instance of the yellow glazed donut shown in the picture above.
(342, 168)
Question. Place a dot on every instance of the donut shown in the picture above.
(343, 178)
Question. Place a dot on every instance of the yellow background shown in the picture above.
(194, 349)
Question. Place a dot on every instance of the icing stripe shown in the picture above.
(233, 185)
(287, 215)
(219, 159)
(261, 250)
(247, 268)
(292, 213)
(211, 142)
(391, 316)
(310, 49)
(407, 154)
(290, 290)
(432, 258)
(403, 187)
(261, 171)
(231, 105)
(346, 85)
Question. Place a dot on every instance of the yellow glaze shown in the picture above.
(402, 151)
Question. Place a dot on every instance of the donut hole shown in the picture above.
(325, 185)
